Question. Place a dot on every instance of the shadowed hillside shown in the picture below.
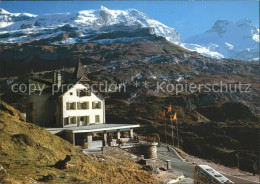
(30, 154)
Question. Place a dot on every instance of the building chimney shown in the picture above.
(54, 77)
(57, 78)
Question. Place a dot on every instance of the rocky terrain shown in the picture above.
(213, 124)
(225, 39)
(21, 58)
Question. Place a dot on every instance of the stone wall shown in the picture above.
(148, 150)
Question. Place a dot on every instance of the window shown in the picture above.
(72, 120)
(66, 121)
(71, 93)
(96, 105)
(83, 105)
(71, 105)
(97, 118)
(83, 120)
(83, 92)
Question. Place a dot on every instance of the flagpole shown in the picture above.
(178, 134)
(172, 135)
(165, 132)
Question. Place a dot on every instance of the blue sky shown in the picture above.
(188, 17)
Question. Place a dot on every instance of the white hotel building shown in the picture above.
(75, 113)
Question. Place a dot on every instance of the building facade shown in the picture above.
(75, 111)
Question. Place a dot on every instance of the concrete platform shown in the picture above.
(94, 128)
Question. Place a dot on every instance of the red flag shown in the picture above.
(169, 109)
(163, 114)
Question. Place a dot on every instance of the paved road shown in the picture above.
(237, 179)
(187, 168)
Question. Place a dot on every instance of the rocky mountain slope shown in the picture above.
(40, 56)
(98, 26)
(228, 116)
(203, 116)
(239, 40)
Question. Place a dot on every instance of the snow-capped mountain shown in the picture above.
(102, 26)
(237, 40)
(7, 18)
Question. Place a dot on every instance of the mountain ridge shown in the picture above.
(87, 23)
(225, 39)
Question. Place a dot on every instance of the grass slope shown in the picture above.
(28, 154)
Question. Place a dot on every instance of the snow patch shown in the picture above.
(206, 51)
(237, 40)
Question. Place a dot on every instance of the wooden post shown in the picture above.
(237, 161)
(73, 139)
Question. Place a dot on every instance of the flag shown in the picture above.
(169, 109)
(173, 117)
(163, 114)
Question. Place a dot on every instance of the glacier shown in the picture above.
(86, 22)
(225, 39)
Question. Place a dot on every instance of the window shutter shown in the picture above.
(66, 121)
(93, 105)
(89, 93)
(82, 105)
(78, 92)
(67, 105)
(86, 105)
(97, 118)
(78, 105)
(74, 105)
(78, 121)
(81, 93)
(87, 120)
(99, 105)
